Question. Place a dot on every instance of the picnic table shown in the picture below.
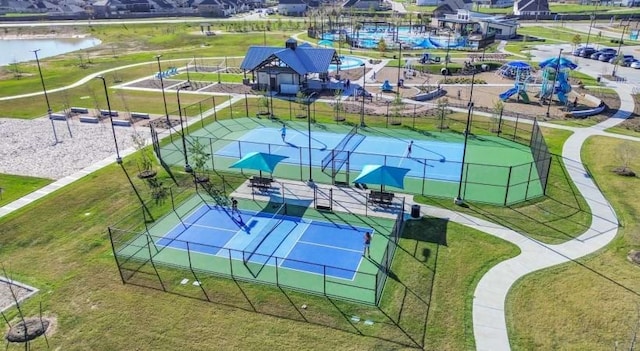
(260, 182)
(381, 197)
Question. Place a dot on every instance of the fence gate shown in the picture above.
(323, 199)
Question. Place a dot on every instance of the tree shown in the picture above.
(200, 156)
(576, 40)
(382, 45)
(442, 105)
(301, 100)
(625, 154)
(498, 108)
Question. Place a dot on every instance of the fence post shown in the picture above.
(200, 107)
(500, 122)
(277, 280)
(231, 261)
(246, 105)
(173, 205)
(290, 112)
(215, 110)
(300, 164)
(506, 193)
(526, 192)
(324, 280)
(230, 107)
(213, 164)
(515, 129)
(414, 117)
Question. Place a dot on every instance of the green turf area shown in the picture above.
(14, 187)
(509, 178)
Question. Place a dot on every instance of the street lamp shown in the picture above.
(555, 79)
(458, 200)
(399, 62)
(55, 136)
(593, 18)
(309, 132)
(617, 59)
(113, 130)
(187, 167)
(364, 93)
(164, 98)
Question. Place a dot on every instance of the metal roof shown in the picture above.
(303, 59)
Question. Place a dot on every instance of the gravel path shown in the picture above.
(27, 146)
(6, 299)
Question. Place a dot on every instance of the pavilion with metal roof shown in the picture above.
(286, 70)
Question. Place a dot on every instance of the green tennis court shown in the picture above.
(319, 253)
(496, 170)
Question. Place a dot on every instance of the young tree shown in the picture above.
(576, 40)
(301, 100)
(382, 45)
(498, 108)
(443, 106)
(338, 105)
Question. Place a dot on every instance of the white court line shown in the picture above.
(330, 246)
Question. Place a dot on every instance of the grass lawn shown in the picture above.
(560, 308)
(67, 254)
(14, 187)
(562, 34)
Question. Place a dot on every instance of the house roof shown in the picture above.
(303, 59)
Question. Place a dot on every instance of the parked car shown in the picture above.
(587, 52)
(635, 64)
(578, 51)
(629, 62)
(624, 61)
(606, 57)
(596, 55)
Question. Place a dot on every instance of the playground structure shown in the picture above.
(521, 72)
(386, 86)
(555, 79)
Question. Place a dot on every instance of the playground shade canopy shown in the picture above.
(382, 175)
(259, 161)
(518, 64)
(554, 62)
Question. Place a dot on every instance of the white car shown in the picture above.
(635, 64)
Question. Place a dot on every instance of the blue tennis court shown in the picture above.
(300, 244)
(436, 160)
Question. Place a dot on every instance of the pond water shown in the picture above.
(21, 50)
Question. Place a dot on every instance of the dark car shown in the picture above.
(587, 52)
(578, 51)
(605, 57)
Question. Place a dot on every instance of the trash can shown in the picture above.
(415, 211)
(598, 79)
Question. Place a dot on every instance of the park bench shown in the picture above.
(381, 197)
(141, 115)
(88, 119)
(83, 110)
(105, 113)
(121, 122)
(260, 182)
(58, 116)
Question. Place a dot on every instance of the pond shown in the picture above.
(21, 50)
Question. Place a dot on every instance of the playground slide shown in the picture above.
(524, 96)
(562, 97)
(507, 94)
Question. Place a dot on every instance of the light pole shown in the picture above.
(309, 132)
(164, 98)
(44, 90)
(446, 57)
(399, 62)
(617, 59)
(113, 129)
(188, 79)
(458, 200)
(187, 167)
(555, 79)
(593, 18)
(364, 93)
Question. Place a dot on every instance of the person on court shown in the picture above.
(234, 205)
(367, 243)
(409, 148)
(283, 131)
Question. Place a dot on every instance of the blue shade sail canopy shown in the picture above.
(562, 63)
(325, 42)
(518, 65)
(259, 161)
(382, 175)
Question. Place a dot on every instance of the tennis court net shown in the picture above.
(274, 222)
(326, 161)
